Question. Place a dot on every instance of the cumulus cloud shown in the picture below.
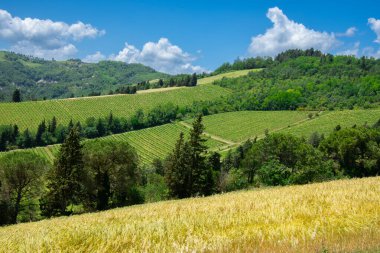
(351, 51)
(162, 56)
(96, 57)
(375, 26)
(348, 33)
(287, 34)
(43, 38)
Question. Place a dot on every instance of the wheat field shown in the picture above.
(338, 216)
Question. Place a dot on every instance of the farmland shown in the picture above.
(232, 74)
(30, 114)
(342, 217)
(227, 130)
(150, 143)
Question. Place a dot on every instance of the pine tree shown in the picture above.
(27, 139)
(16, 96)
(52, 125)
(194, 80)
(177, 169)
(199, 175)
(15, 133)
(66, 179)
(40, 131)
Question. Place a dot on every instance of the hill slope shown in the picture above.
(38, 78)
(31, 113)
(342, 217)
(228, 130)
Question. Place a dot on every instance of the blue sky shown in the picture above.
(187, 36)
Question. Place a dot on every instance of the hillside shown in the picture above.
(30, 114)
(228, 130)
(342, 217)
(38, 78)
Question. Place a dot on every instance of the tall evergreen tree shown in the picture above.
(177, 169)
(40, 131)
(27, 140)
(52, 125)
(194, 80)
(16, 97)
(200, 172)
(66, 180)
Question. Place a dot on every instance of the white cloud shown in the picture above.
(43, 38)
(351, 51)
(371, 52)
(287, 34)
(348, 33)
(98, 56)
(375, 26)
(162, 56)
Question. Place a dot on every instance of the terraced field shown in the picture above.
(30, 114)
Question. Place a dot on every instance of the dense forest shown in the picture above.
(38, 79)
(302, 80)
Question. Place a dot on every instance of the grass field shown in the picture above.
(337, 216)
(30, 114)
(232, 74)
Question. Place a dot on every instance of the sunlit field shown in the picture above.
(338, 216)
(232, 74)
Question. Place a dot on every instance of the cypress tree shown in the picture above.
(27, 139)
(15, 133)
(199, 175)
(52, 125)
(16, 97)
(66, 179)
(194, 80)
(160, 83)
(40, 131)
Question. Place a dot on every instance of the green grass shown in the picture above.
(30, 114)
(232, 74)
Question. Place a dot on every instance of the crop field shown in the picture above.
(150, 143)
(227, 130)
(30, 114)
(232, 74)
(337, 216)
(239, 126)
(327, 121)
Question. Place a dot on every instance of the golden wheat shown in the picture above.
(339, 216)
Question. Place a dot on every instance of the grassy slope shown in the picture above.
(227, 130)
(239, 126)
(232, 74)
(342, 217)
(150, 143)
(30, 114)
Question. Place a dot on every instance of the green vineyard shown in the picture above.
(227, 130)
(30, 114)
(232, 74)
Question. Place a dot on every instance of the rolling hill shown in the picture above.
(228, 130)
(38, 78)
(342, 217)
(31, 113)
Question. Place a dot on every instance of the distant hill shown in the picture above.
(38, 78)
